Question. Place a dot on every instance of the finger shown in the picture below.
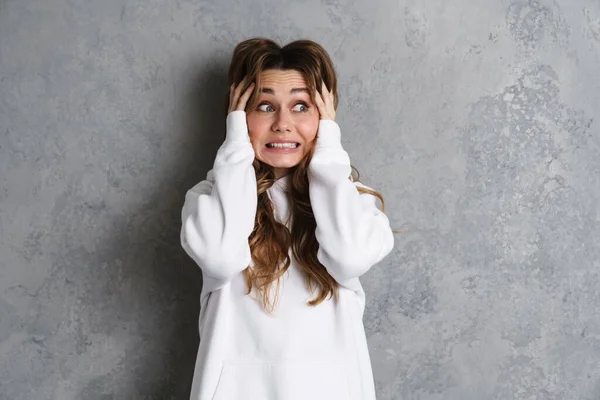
(319, 100)
(231, 93)
(232, 100)
(324, 89)
(327, 93)
(241, 85)
(244, 99)
(320, 105)
(235, 93)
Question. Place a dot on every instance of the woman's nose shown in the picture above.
(282, 122)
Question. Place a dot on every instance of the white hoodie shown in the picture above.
(299, 352)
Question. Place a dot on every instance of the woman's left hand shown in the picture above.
(325, 103)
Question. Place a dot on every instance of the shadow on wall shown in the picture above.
(165, 357)
(201, 123)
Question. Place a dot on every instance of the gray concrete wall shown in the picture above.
(478, 121)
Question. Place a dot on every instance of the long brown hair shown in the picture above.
(271, 240)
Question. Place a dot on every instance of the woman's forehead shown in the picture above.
(282, 80)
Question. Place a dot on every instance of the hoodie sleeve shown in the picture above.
(353, 234)
(218, 213)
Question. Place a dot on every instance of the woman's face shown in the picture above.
(284, 114)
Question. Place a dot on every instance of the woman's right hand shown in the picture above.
(237, 99)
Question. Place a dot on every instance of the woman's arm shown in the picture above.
(218, 213)
(352, 232)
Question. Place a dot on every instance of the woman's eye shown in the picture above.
(302, 107)
(265, 107)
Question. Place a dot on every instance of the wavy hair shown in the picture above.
(270, 241)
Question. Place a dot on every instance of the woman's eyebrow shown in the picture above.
(294, 90)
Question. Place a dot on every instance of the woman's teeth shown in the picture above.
(283, 145)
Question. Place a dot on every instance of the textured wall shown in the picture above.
(478, 121)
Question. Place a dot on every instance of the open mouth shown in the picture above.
(283, 145)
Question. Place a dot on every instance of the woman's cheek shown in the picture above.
(310, 129)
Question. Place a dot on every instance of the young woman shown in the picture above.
(282, 232)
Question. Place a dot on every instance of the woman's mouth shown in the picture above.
(282, 145)
(290, 147)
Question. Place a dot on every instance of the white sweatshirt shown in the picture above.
(299, 352)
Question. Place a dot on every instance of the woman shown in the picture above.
(282, 232)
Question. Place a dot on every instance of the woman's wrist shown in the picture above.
(237, 127)
(329, 135)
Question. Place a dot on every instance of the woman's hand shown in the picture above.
(325, 103)
(237, 99)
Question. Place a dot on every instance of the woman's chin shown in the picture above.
(282, 161)
(284, 165)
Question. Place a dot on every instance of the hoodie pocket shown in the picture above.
(283, 380)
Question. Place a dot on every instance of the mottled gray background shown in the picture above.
(477, 120)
